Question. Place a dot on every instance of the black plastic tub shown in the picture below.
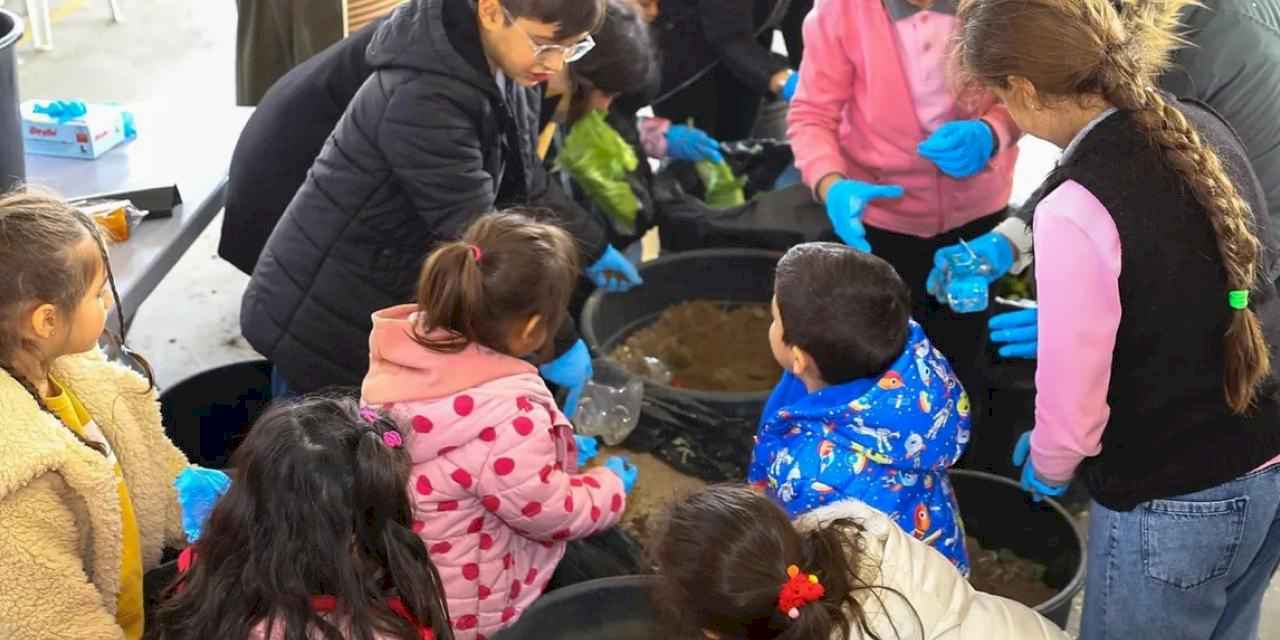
(732, 276)
(1001, 515)
(207, 414)
(995, 510)
(12, 163)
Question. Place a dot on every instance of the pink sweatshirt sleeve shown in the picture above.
(521, 484)
(1077, 282)
(826, 86)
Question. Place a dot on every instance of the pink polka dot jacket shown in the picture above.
(495, 485)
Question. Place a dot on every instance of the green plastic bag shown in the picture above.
(723, 188)
(599, 160)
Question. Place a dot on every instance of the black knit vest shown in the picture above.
(1170, 431)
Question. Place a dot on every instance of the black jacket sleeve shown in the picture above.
(585, 227)
(729, 27)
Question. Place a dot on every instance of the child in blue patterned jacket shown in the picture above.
(867, 408)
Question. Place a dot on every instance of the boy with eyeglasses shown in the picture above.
(442, 131)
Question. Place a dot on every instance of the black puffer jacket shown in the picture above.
(281, 141)
(429, 142)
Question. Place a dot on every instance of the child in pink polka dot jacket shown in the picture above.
(496, 490)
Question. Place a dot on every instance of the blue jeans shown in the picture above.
(1192, 566)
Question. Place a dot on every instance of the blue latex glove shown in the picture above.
(960, 148)
(571, 370)
(198, 491)
(789, 89)
(63, 110)
(992, 246)
(1030, 483)
(1017, 333)
(846, 200)
(624, 470)
(692, 144)
(588, 448)
(614, 273)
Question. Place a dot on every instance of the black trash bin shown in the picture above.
(995, 511)
(207, 415)
(12, 163)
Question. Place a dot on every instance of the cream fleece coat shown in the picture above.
(60, 530)
(939, 603)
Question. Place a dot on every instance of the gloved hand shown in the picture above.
(992, 246)
(588, 448)
(692, 144)
(960, 148)
(1017, 333)
(624, 470)
(1030, 481)
(789, 89)
(846, 200)
(63, 110)
(614, 273)
(571, 370)
(198, 491)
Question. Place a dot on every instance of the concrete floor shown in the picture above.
(175, 53)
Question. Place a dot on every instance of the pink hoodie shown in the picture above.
(854, 114)
(495, 486)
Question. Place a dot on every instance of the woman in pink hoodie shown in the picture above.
(905, 161)
(495, 485)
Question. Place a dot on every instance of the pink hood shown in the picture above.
(401, 369)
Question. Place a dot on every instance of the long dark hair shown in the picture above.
(317, 507)
(722, 556)
(1073, 48)
(40, 263)
(507, 268)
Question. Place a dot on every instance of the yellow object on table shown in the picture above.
(112, 217)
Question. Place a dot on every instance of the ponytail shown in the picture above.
(507, 269)
(1140, 47)
(380, 465)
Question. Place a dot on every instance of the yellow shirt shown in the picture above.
(129, 603)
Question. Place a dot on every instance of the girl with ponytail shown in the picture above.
(496, 491)
(314, 540)
(1158, 318)
(731, 565)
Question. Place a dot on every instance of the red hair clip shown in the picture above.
(799, 590)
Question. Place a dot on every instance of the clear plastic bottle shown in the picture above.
(610, 404)
(965, 281)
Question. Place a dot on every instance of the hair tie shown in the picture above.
(369, 415)
(392, 439)
(475, 251)
(1238, 299)
(799, 590)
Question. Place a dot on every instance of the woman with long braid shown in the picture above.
(1155, 380)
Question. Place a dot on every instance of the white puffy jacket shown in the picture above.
(945, 606)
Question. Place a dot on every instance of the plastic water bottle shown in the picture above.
(965, 282)
(610, 404)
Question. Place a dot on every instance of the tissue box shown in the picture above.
(86, 137)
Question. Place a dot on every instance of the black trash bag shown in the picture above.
(759, 161)
(777, 220)
(693, 439)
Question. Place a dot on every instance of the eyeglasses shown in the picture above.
(571, 53)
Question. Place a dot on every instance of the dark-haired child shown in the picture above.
(495, 483)
(733, 565)
(314, 539)
(867, 408)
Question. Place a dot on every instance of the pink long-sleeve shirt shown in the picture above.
(1078, 260)
(869, 93)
